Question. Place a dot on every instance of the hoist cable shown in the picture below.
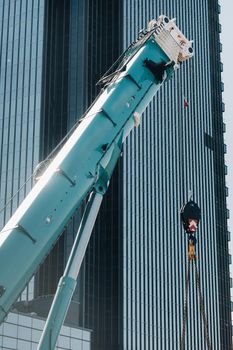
(185, 311)
(202, 308)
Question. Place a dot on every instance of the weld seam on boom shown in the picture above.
(130, 77)
(63, 173)
(107, 116)
(25, 232)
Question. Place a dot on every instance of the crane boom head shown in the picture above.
(168, 38)
(171, 39)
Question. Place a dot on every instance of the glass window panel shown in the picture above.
(76, 333)
(23, 345)
(9, 343)
(64, 341)
(65, 330)
(34, 346)
(10, 329)
(24, 333)
(76, 343)
(37, 324)
(86, 346)
(86, 335)
(12, 317)
(36, 335)
(25, 320)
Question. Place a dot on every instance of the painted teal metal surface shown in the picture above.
(34, 228)
(67, 282)
(64, 291)
(63, 297)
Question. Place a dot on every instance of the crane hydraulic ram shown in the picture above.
(86, 161)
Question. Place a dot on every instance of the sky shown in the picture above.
(227, 78)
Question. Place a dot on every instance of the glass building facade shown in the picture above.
(175, 152)
(21, 47)
(90, 49)
(131, 286)
(22, 332)
(21, 42)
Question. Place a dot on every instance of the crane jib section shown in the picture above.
(86, 159)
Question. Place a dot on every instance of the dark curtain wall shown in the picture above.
(55, 75)
(103, 285)
(54, 117)
(82, 40)
(220, 172)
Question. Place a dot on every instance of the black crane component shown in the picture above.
(191, 215)
(158, 69)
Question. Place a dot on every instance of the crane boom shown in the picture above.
(84, 161)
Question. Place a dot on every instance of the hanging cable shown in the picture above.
(202, 307)
(192, 262)
(185, 311)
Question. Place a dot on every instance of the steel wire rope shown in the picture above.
(185, 310)
(202, 308)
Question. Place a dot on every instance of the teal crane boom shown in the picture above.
(86, 161)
